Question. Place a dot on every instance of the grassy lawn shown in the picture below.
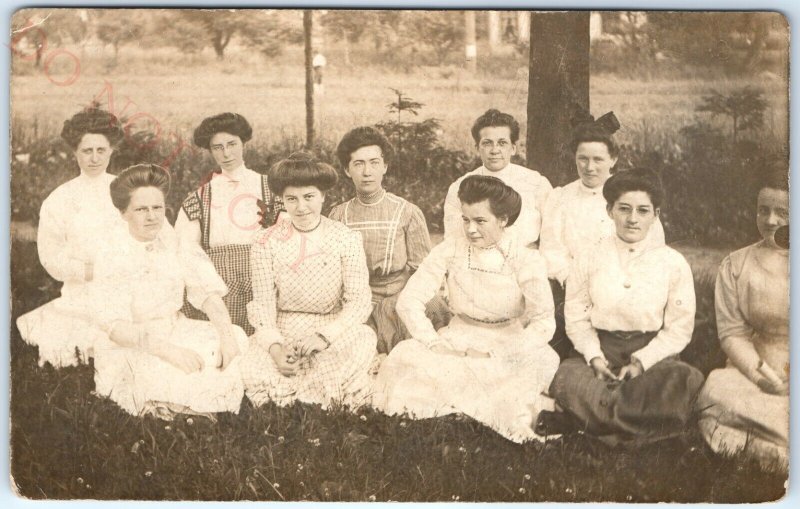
(67, 444)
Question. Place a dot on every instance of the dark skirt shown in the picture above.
(657, 403)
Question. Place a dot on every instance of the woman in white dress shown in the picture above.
(226, 211)
(629, 311)
(149, 358)
(492, 362)
(74, 219)
(745, 406)
(575, 218)
(311, 299)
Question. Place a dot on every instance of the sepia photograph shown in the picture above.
(399, 255)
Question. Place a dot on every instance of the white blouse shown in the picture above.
(502, 283)
(616, 286)
(74, 220)
(144, 281)
(574, 219)
(234, 206)
(530, 184)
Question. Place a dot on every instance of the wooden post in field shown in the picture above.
(558, 83)
(493, 26)
(470, 48)
(309, 55)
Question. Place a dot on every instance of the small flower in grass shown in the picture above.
(148, 474)
(372, 498)
(276, 485)
(568, 490)
(88, 486)
(299, 466)
(363, 418)
(527, 477)
(509, 468)
(522, 490)
(462, 449)
(403, 424)
(455, 498)
(80, 480)
(189, 421)
(629, 498)
(280, 439)
(168, 427)
(314, 441)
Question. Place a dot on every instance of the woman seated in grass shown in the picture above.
(394, 232)
(311, 298)
(629, 311)
(575, 217)
(150, 358)
(222, 216)
(745, 407)
(74, 220)
(492, 362)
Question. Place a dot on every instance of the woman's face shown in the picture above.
(594, 163)
(227, 150)
(483, 229)
(495, 147)
(304, 205)
(145, 213)
(633, 215)
(93, 154)
(772, 213)
(367, 169)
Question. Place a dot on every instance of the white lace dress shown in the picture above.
(144, 283)
(501, 304)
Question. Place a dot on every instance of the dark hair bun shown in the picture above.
(92, 120)
(231, 123)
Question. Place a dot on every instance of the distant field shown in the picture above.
(179, 93)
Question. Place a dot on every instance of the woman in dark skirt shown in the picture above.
(629, 312)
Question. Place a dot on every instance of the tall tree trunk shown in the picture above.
(470, 49)
(493, 25)
(558, 84)
(307, 30)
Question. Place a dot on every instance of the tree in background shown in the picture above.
(33, 30)
(265, 31)
(442, 31)
(348, 27)
(745, 108)
(117, 30)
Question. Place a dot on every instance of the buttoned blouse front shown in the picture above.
(617, 286)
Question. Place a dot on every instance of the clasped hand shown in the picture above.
(603, 372)
(287, 359)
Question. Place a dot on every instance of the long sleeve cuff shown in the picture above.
(590, 348)
(649, 356)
